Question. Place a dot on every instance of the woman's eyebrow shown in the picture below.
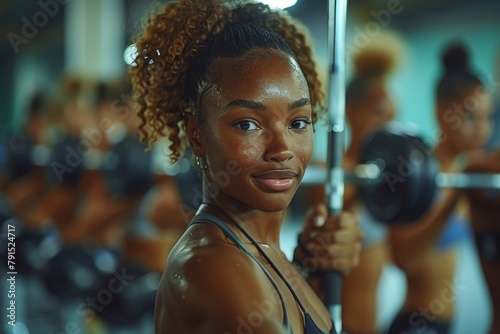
(260, 106)
(246, 104)
(299, 103)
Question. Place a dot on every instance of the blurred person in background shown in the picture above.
(369, 107)
(426, 251)
(494, 142)
(24, 181)
(485, 212)
(69, 114)
(130, 208)
(100, 214)
(40, 208)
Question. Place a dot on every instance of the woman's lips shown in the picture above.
(276, 180)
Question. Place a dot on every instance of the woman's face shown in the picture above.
(256, 135)
(371, 113)
(466, 123)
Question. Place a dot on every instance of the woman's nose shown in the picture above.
(278, 146)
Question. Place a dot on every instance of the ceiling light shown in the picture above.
(279, 3)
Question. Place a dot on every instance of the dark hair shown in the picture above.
(234, 41)
(457, 77)
(181, 41)
(36, 105)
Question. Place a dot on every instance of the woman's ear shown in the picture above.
(193, 130)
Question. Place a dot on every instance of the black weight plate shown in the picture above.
(128, 169)
(17, 156)
(133, 299)
(35, 248)
(76, 271)
(426, 173)
(408, 183)
(66, 166)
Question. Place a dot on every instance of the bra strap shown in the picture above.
(208, 218)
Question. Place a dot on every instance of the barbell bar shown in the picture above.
(370, 173)
(468, 180)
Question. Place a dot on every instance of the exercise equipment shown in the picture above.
(397, 178)
(130, 170)
(64, 161)
(337, 20)
(15, 155)
(33, 248)
(132, 300)
(399, 197)
(128, 167)
(19, 155)
(77, 271)
(3, 157)
(405, 188)
(5, 220)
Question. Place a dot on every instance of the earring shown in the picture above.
(201, 164)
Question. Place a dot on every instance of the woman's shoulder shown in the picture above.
(203, 245)
(205, 274)
(204, 257)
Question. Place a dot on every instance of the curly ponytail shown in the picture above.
(177, 47)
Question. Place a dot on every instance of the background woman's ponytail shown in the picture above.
(457, 77)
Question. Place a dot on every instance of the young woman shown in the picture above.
(23, 182)
(240, 80)
(426, 250)
(369, 108)
(484, 214)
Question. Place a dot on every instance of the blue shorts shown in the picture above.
(457, 229)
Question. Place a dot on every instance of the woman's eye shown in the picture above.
(300, 123)
(247, 125)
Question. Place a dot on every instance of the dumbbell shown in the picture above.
(15, 155)
(77, 271)
(68, 272)
(127, 167)
(33, 249)
(130, 170)
(133, 299)
(62, 161)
